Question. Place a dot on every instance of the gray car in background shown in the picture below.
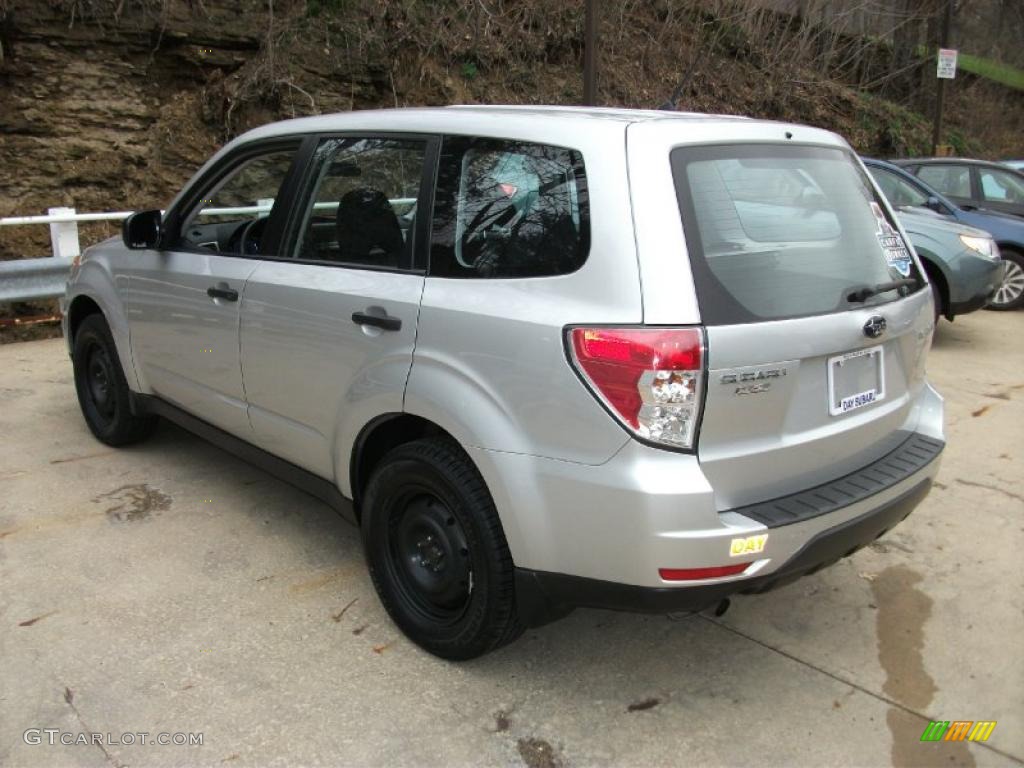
(908, 191)
(542, 357)
(963, 263)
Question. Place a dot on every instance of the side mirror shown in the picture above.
(935, 204)
(142, 230)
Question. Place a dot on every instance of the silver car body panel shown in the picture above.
(100, 278)
(490, 365)
(646, 509)
(313, 378)
(184, 342)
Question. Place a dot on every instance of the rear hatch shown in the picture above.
(817, 317)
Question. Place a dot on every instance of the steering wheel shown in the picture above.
(245, 241)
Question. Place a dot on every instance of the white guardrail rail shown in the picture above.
(30, 279)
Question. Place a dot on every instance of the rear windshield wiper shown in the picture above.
(863, 294)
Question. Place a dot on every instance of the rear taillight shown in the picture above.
(650, 378)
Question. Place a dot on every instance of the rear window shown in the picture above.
(778, 231)
(508, 209)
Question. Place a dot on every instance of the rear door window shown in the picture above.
(950, 180)
(783, 231)
(363, 208)
(506, 209)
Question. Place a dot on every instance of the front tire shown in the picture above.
(437, 552)
(1010, 293)
(103, 393)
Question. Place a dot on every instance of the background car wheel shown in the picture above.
(437, 553)
(103, 393)
(1010, 295)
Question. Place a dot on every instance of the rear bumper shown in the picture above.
(598, 535)
(545, 596)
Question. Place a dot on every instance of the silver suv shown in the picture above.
(543, 357)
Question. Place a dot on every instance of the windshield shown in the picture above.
(780, 231)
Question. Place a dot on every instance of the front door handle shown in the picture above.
(385, 321)
(222, 292)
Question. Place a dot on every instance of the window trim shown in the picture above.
(583, 194)
(303, 189)
(171, 239)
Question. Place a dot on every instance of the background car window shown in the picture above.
(897, 191)
(363, 207)
(231, 217)
(951, 180)
(508, 209)
(1001, 187)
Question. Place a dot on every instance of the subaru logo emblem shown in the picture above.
(874, 327)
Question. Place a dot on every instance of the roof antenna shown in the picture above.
(670, 105)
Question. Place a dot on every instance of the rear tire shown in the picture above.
(1010, 294)
(437, 553)
(103, 393)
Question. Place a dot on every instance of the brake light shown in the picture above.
(696, 574)
(650, 378)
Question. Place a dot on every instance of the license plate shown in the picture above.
(855, 380)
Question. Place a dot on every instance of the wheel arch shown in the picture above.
(379, 436)
(80, 308)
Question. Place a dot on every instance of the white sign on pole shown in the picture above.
(947, 64)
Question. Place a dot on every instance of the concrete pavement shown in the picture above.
(170, 588)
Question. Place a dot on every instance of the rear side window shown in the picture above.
(507, 209)
(778, 231)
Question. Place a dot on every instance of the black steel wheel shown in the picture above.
(103, 393)
(429, 557)
(436, 551)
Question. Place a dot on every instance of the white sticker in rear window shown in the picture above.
(896, 252)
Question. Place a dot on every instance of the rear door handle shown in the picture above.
(217, 292)
(385, 322)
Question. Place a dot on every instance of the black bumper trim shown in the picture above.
(543, 596)
(910, 457)
(963, 307)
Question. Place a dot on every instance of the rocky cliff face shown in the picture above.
(113, 104)
(106, 116)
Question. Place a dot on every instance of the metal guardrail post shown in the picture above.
(64, 234)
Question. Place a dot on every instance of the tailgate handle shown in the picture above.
(222, 292)
(385, 321)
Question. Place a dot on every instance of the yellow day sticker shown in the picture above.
(750, 545)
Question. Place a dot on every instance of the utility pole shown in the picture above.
(944, 41)
(590, 53)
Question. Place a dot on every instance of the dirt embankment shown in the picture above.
(112, 104)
